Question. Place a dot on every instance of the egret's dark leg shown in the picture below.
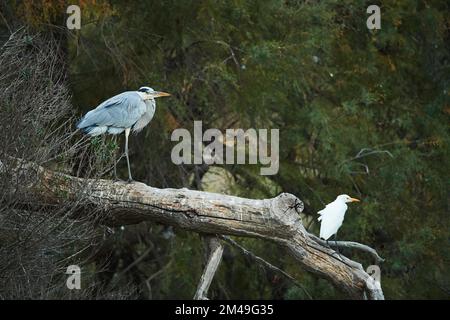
(335, 242)
(337, 248)
(127, 133)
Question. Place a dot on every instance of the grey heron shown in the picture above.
(130, 110)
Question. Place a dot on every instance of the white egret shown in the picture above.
(332, 216)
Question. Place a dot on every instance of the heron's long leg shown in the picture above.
(127, 132)
(115, 171)
(115, 165)
(116, 161)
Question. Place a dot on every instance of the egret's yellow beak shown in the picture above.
(161, 94)
(355, 200)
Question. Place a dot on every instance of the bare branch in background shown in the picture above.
(214, 253)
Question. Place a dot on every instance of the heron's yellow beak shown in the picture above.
(355, 200)
(161, 94)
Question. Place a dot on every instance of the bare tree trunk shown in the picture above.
(273, 219)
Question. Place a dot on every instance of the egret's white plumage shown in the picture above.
(332, 216)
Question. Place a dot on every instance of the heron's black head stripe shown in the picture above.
(145, 89)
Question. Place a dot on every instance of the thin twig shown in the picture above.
(264, 263)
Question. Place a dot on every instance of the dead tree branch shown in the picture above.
(273, 219)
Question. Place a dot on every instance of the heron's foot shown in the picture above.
(130, 180)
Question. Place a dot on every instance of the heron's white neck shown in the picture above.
(141, 94)
(144, 96)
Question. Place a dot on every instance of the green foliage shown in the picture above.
(360, 112)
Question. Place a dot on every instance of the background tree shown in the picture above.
(359, 112)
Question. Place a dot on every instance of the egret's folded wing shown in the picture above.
(323, 211)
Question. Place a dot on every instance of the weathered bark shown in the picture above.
(273, 219)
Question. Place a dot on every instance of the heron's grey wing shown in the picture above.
(120, 111)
